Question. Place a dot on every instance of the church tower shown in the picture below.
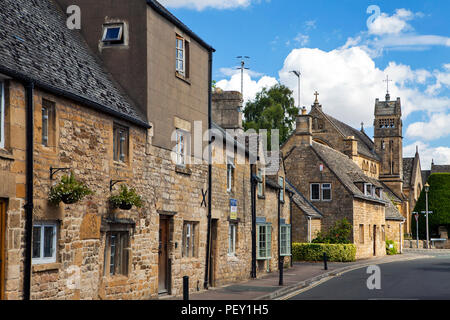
(389, 142)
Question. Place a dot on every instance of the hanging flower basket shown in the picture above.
(126, 199)
(69, 191)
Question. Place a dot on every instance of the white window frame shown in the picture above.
(181, 71)
(285, 249)
(230, 174)
(106, 27)
(281, 183)
(2, 116)
(46, 118)
(260, 184)
(322, 188)
(366, 191)
(189, 249)
(311, 191)
(232, 227)
(41, 259)
(181, 147)
(267, 241)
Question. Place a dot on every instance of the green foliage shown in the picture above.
(339, 233)
(272, 108)
(314, 252)
(126, 198)
(69, 190)
(438, 202)
(213, 84)
(391, 247)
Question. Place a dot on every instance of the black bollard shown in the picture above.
(185, 288)
(325, 261)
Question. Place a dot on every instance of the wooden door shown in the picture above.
(163, 262)
(2, 248)
(374, 240)
(212, 266)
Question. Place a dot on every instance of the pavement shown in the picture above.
(421, 279)
(301, 275)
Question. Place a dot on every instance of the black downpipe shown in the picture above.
(29, 90)
(280, 258)
(208, 233)
(290, 222)
(253, 195)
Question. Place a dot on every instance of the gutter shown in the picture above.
(29, 92)
(84, 101)
(208, 232)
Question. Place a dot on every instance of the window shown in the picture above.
(2, 114)
(260, 184)
(113, 34)
(44, 242)
(232, 239)
(326, 191)
(182, 56)
(281, 183)
(383, 233)
(189, 238)
(264, 241)
(116, 253)
(230, 175)
(315, 191)
(368, 189)
(181, 147)
(120, 143)
(48, 108)
(361, 233)
(285, 240)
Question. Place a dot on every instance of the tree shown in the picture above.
(340, 232)
(438, 202)
(272, 108)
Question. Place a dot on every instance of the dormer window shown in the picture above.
(368, 190)
(113, 34)
(379, 193)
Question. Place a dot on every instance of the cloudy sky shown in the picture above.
(344, 50)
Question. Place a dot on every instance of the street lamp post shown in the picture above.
(298, 74)
(427, 188)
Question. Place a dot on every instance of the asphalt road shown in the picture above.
(408, 280)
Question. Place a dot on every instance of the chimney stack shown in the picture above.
(227, 109)
(303, 129)
(351, 147)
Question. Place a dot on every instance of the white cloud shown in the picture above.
(302, 39)
(203, 4)
(251, 87)
(427, 153)
(394, 24)
(230, 72)
(310, 24)
(348, 82)
(437, 127)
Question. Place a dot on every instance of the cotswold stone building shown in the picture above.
(110, 124)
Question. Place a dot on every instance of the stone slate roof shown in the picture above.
(408, 164)
(302, 203)
(425, 175)
(347, 171)
(391, 212)
(390, 193)
(271, 182)
(366, 146)
(37, 45)
(435, 168)
(169, 16)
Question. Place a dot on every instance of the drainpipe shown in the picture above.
(400, 234)
(280, 258)
(208, 232)
(253, 182)
(29, 90)
(290, 221)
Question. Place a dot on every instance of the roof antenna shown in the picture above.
(242, 68)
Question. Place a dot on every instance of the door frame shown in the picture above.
(2, 247)
(167, 224)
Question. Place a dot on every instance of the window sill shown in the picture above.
(183, 170)
(46, 267)
(182, 78)
(261, 197)
(5, 154)
(120, 164)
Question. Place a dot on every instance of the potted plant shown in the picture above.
(126, 198)
(69, 190)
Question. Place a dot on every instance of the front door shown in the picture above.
(2, 248)
(374, 240)
(212, 267)
(163, 274)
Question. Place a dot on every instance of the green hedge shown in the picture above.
(314, 252)
(391, 250)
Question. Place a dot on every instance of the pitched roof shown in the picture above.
(408, 164)
(435, 168)
(391, 212)
(37, 46)
(390, 193)
(169, 16)
(271, 182)
(302, 203)
(347, 171)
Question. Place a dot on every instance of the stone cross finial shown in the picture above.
(387, 83)
(316, 94)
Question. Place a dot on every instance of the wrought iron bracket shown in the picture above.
(53, 171)
(112, 183)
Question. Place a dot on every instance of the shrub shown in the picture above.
(314, 252)
(69, 190)
(339, 233)
(126, 198)
(391, 247)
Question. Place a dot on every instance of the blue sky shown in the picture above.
(341, 54)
